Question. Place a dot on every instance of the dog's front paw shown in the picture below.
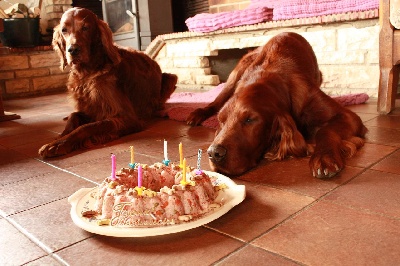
(196, 117)
(325, 165)
(53, 149)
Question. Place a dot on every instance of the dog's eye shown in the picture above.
(85, 28)
(64, 30)
(248, 120)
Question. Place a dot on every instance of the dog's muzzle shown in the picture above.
(216, 153)
(74, 49)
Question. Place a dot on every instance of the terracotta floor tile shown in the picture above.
(51, 224)
(169, 128)
(52, 122)
(294, 175)
(369, 107)
(79, 157)
(385, 121)
(12, 128)
(32, 149)
(8, 156)
(48, 261)
(390, 164)
(262, 209)
(39, 190)
(42, 104)
(383, 136)
(367, 190)
(16, 248)
(250, 255)
(329, 234)
(23, 169)
(194, 247)
(27, 137)
(369, 154)
(365, 117)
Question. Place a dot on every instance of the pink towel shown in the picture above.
(311, 8)
(266, 10)
(211, 22)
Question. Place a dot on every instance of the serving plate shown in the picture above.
(84, 199)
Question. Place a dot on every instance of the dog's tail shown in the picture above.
(168, 85)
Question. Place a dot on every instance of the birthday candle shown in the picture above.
(183, 181)
(165, 151)
(198, 171)
(180, 154)
(140, 175)
(113, 167)
(132, 155)
(199, 159)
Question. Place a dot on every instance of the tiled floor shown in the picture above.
(287, 218)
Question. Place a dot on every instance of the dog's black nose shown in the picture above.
(216, 153)
(73, 49)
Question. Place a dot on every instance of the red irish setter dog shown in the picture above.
(272, 104)
(115, 89)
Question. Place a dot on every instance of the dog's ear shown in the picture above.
(106, 39)
(285, 139)
(59, 46)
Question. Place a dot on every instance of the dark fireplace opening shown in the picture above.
(226, 60)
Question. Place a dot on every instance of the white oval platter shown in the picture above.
(83, 200)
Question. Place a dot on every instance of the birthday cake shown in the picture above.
(155, 195)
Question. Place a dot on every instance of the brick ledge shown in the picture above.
(4, 50)
(157, 44)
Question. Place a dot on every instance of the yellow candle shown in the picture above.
(132, 155)
(180, 155)
(183, 181)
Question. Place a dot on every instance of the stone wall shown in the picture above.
(217, 6)
(33, 71)
(27, 72)
(347, 53)
(52, 11)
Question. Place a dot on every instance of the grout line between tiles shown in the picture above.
(295, 214)
(66, 171)
(33, 238)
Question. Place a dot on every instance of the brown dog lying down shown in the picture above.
(115, 89)
(272, 104)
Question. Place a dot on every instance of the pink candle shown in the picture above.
(113, 167)
(140, 175)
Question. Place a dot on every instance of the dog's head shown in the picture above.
(253, 122)
(81, 39)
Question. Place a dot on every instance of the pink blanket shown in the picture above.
(266, 10)
(311, 8)
(211, 22)
(180, 105)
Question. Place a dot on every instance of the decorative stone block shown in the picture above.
(49, 58)
(358, 39)
(207, 80)
(7, 75)
(195, 62)
(341, 57)
(15, 86)
(350, 76)
(34, 72)
(14, 62)
(49, 82)
(59, 2)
